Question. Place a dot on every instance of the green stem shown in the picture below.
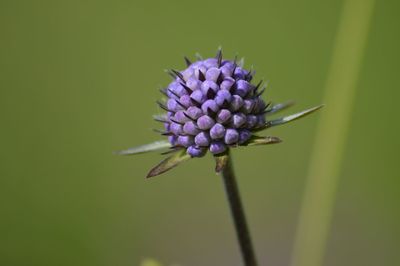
(238, 215)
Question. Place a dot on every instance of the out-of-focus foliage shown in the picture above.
(150, 262)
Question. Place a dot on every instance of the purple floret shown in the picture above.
(217, 147)
(217, 131)
(196, 151)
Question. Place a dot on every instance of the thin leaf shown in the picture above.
(171, 150)
(158, 145)
(279, 107)
(220, 162)
(258, 140)
(169, 163)
(292, 117)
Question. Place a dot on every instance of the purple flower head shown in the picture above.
(212, 105)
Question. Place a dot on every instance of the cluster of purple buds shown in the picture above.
(212, 105)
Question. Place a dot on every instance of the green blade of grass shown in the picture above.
(325, 165)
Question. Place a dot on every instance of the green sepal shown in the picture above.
(155, 146)
(279, 107)
(259, 140)
(292, 117)
(169, 163)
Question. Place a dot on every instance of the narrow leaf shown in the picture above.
(292, 117)
(220, 162)
(279, 107)
(171, 150)
(158, 145)
(169, 163)
(258, 140)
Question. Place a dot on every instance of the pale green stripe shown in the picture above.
(325, 165)
(150, 262)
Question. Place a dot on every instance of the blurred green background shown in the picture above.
(79, 79)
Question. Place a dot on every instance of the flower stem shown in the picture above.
(238, 215)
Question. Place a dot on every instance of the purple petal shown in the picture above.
(236, 103)
(172, 140)
(193, 84)
(217, 147)
(173, 105)
(185, 141)
(240, 73)
(212, 74)
(227, 69)
(238, 120)
(176, 128)
(209, 106)
(227, 83)
(171, 95)
(202, 139)
(211, 62)
(188, 73)
(223, 96)
(209, 85)
(223, 116)
(180, 117)
(217, 131)
(190, 128)
(177, 88)
(242, 88)
(185, 100)
(231, 136)
(167, 126)
(244, 135)
(194, 112)
(196, 64)
(205, 122)
(260, 120)
(196, 151)
(251, 121)
(248, 105)
(198, 96)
